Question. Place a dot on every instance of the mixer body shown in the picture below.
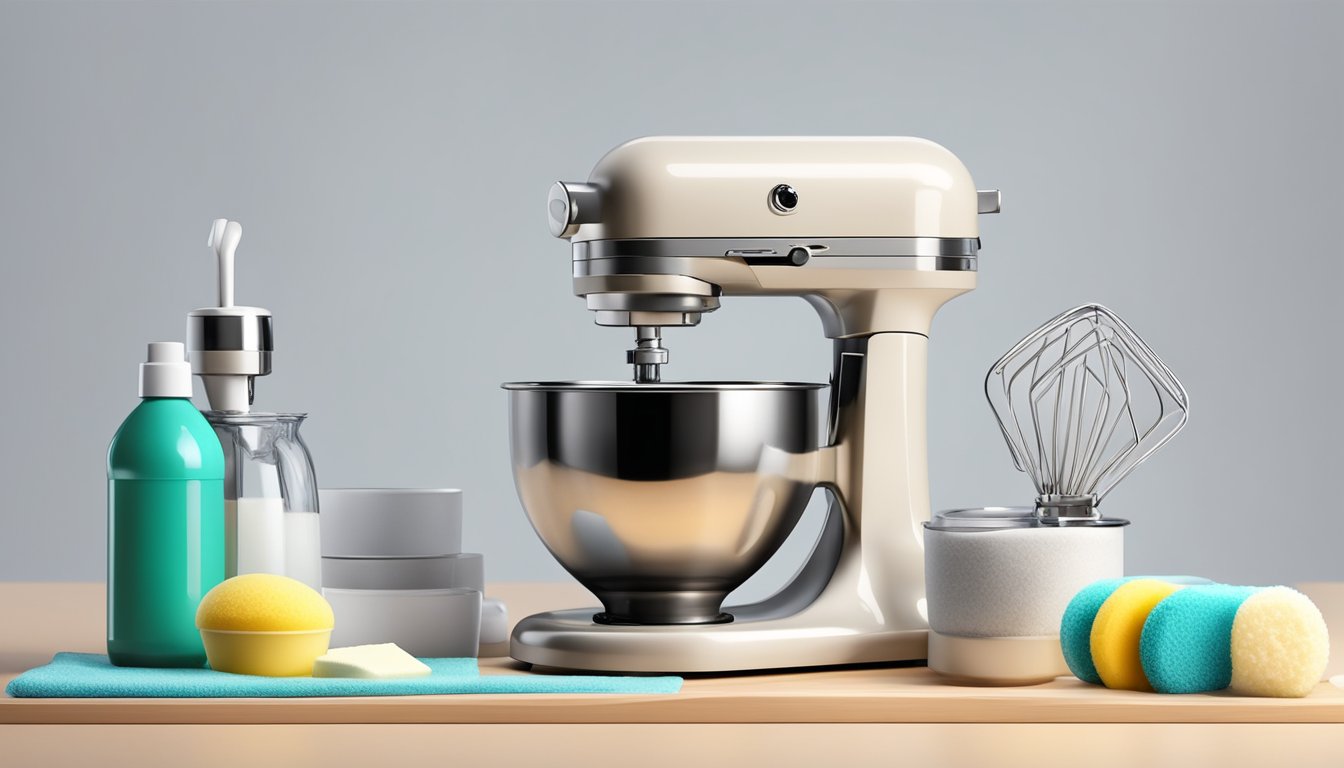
(876, 234)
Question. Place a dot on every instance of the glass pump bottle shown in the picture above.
(270, 490)
(270, 496)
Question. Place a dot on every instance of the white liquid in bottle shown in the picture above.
(303, 548)
(261, 537)
(254, 536)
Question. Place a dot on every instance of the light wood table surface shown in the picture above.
(875, 715)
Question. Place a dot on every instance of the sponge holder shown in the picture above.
(998, 580)
(1081, 402)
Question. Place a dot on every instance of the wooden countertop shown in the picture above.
(42, 618)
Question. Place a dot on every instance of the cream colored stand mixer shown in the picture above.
(662, 497)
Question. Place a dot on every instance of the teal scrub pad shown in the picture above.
(1075, 629)
(1186, 646)
(86, 675)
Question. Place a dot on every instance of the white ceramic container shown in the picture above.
(997, 582)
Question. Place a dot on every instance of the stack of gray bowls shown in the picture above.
(394, 572)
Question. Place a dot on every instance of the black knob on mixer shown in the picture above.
(783, 199)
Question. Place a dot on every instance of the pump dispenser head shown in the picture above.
(230, 345)
(165, 372)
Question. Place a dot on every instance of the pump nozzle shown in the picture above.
(230, 345)
(224, 238)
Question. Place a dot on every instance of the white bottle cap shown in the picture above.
(167, 373)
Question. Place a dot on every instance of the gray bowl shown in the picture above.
(663, 498)
(390, 522)
(464, 571)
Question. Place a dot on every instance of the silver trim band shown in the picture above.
(665, 386)
(826, 247)
(928, 254)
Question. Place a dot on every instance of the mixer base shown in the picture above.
(571, 640)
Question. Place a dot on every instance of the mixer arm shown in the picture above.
(817, 570)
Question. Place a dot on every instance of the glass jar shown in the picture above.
(270, 496)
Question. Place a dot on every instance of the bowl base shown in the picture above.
(570, 640)
(602, 617)
(639, 607)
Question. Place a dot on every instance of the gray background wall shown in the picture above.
(1180, 162)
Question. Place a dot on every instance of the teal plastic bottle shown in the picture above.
(165, 520)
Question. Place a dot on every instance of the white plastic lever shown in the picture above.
(224, 238)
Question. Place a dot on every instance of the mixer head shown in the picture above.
(665, 226)
(1082, 401)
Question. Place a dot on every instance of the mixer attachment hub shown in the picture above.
(1062, 509)
(649, 355)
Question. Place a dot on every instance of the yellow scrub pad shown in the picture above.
(1119, 626)
(1280, 645)
(262, 602)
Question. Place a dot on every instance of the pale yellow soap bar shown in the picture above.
(370, 662)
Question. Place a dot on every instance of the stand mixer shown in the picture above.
(663, 497)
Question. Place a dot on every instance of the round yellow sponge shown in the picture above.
(1117, 629)
(1280, 645)
(262, 602)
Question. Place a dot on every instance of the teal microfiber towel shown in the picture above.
(1186, 645)
(87, 675)
(1075, 629)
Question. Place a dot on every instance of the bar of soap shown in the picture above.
(370, 662)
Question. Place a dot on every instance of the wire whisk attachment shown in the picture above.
(1082, 401)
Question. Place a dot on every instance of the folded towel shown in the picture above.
(87, 675)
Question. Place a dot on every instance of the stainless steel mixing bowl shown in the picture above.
(663, 498)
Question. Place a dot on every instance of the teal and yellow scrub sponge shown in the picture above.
(1153, 634)
(1075, 630)
(1186, 641)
